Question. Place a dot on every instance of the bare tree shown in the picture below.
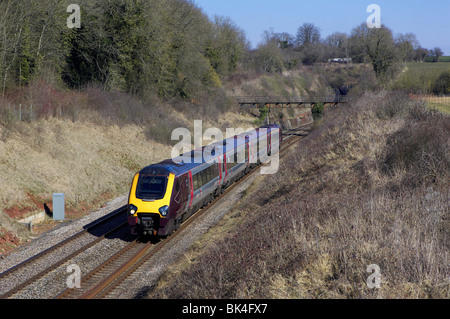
(11, 26)
(338, 45)
(407, 44)
(377, 45)
(420, 54)
(285, 40)
(437, 53)
(308, 34)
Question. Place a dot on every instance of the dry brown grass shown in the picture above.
(370, 186)
(82, 160)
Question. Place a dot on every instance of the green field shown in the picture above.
(441, 103)
(419, 77)
(440, 107)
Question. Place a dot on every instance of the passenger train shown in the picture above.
(164, 195)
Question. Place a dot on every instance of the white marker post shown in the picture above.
(58, 206)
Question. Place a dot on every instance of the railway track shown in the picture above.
(98, 281)
(29, 269)
(102, 280)
(127, 264)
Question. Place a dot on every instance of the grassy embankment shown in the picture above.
(369, 186)
(88, 144)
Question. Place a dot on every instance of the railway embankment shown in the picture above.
(359, 209)
(88, 145)
(90, 163)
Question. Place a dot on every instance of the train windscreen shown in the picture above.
(151, 187)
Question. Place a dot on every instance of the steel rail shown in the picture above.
(55, 265)
(96, 276)
(51, 249)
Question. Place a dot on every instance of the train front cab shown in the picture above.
(149, 201)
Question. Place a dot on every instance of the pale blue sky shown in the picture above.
(429, 20)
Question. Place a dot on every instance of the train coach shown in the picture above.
(164, 195)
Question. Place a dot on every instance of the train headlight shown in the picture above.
(132, 209)
(164, 210)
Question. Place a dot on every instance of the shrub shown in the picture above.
(417, 150)
(442, 84)
(263, 112)
(317, 111)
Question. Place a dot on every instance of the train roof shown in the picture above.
(179, 165)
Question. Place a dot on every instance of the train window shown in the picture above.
(151, 187)
(210, 173)
(195, 182)
(201, 178)
(207, 175)
(262, 145)
(230, 162)
(204, 178)
(240, 157)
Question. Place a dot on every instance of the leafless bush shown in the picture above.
(421, 149)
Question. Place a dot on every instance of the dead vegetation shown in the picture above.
(369, 186)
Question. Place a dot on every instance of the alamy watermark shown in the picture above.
(374, 280)
(74, 20)
(374, 20)
(74, 279)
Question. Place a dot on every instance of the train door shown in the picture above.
(247, 152)
(224, 164)
(183, 190)
(191, 190)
